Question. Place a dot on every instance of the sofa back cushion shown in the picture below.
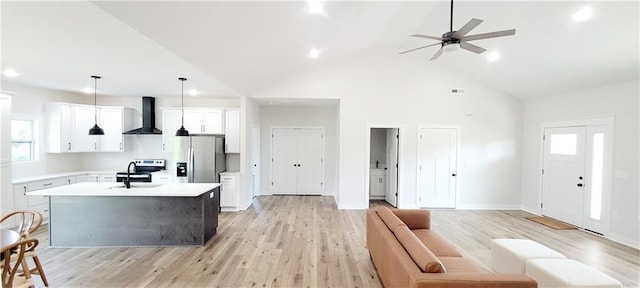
(421, 255)
(414, 218)
(391, 220)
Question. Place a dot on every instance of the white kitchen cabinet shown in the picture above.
(232, 131)
(68, 127)
(114, 121)
(83, 120)
(37, 202)
(171, 121)
(58, 124)
(203, 121)
(377, 183)
(81, 178)
(229, 189)
(162, 177)
(93, 178)
(107, 177)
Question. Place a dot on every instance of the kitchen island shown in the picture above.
(108, 214)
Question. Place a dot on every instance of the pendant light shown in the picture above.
(182, 131)
(95, 130)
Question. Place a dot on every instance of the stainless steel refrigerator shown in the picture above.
(199, 158)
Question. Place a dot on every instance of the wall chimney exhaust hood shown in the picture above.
(148, 118)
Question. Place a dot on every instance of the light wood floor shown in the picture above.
(305, 241)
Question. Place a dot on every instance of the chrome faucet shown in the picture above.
(127, 181)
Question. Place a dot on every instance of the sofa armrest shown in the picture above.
(414, 218)
(463, 280)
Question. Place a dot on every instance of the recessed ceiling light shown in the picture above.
(10, 73)
(582, 14)
(315, 7)
(493, 56)
(314, 53)
(193, 92)
(87, 90)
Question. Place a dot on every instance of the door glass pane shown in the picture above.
(563, 144)
(596, 175)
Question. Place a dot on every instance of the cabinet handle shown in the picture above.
(69, 181)
(47, 184)
(163, 146)
(120, 146)
(69, 148)
(95, 146)
(25, 190)
(47, 210)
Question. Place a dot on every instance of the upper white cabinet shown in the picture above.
(68, 127)
(203, 121)
(171, 121)
(196, 121)
(59, 127)
(232, 131)
(114, 121)
(83, 120)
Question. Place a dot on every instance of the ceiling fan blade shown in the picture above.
(426, 36)
(414, 49)
(435, 56)
(471, 47)
(467, 28)
(489, 35)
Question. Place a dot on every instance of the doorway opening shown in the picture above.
(383, 164)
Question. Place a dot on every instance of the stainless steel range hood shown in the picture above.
(148, 118)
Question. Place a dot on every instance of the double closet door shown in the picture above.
(297, 161)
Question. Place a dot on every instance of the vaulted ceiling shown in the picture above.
(236, 48)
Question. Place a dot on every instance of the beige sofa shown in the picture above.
(407, 253)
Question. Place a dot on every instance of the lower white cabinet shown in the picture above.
(37, 202)
(100, 178)
(162, 177)
(229, 189)
(377, 183)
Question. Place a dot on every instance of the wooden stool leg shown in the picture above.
(40, 271)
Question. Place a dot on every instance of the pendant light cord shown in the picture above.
(451, 19)
(95, 99)
(182, 102)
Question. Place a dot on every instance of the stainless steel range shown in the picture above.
(142, 170)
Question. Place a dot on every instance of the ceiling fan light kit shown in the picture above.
(452, 40)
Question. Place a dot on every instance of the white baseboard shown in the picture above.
(533, 211)
(489, 207)
(635, 243)
(351, 206)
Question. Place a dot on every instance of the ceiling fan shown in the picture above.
(453, 38)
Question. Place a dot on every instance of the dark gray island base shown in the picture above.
(89, 221)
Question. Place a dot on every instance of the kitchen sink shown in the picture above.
(137, 185)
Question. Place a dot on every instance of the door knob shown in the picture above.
(579, 184)
(454, 174)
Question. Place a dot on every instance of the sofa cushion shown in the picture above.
(426, 261)
(459, 265)
(414, 219)
(438, 245)
(391, 220)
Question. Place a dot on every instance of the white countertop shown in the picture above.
(58, 175)
(137, 189)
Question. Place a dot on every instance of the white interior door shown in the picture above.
(255, 159)
(284, 162)
(310, 161)
(391, 193)
(437, 158)
(563, 174)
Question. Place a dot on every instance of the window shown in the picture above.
(564, 144)
(597, 172)
(22, 140)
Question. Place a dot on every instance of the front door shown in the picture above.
(437, 165)
(563, 174)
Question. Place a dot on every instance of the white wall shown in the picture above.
(620, 101)
(299, 116)
(380, 87)
(250, 117)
